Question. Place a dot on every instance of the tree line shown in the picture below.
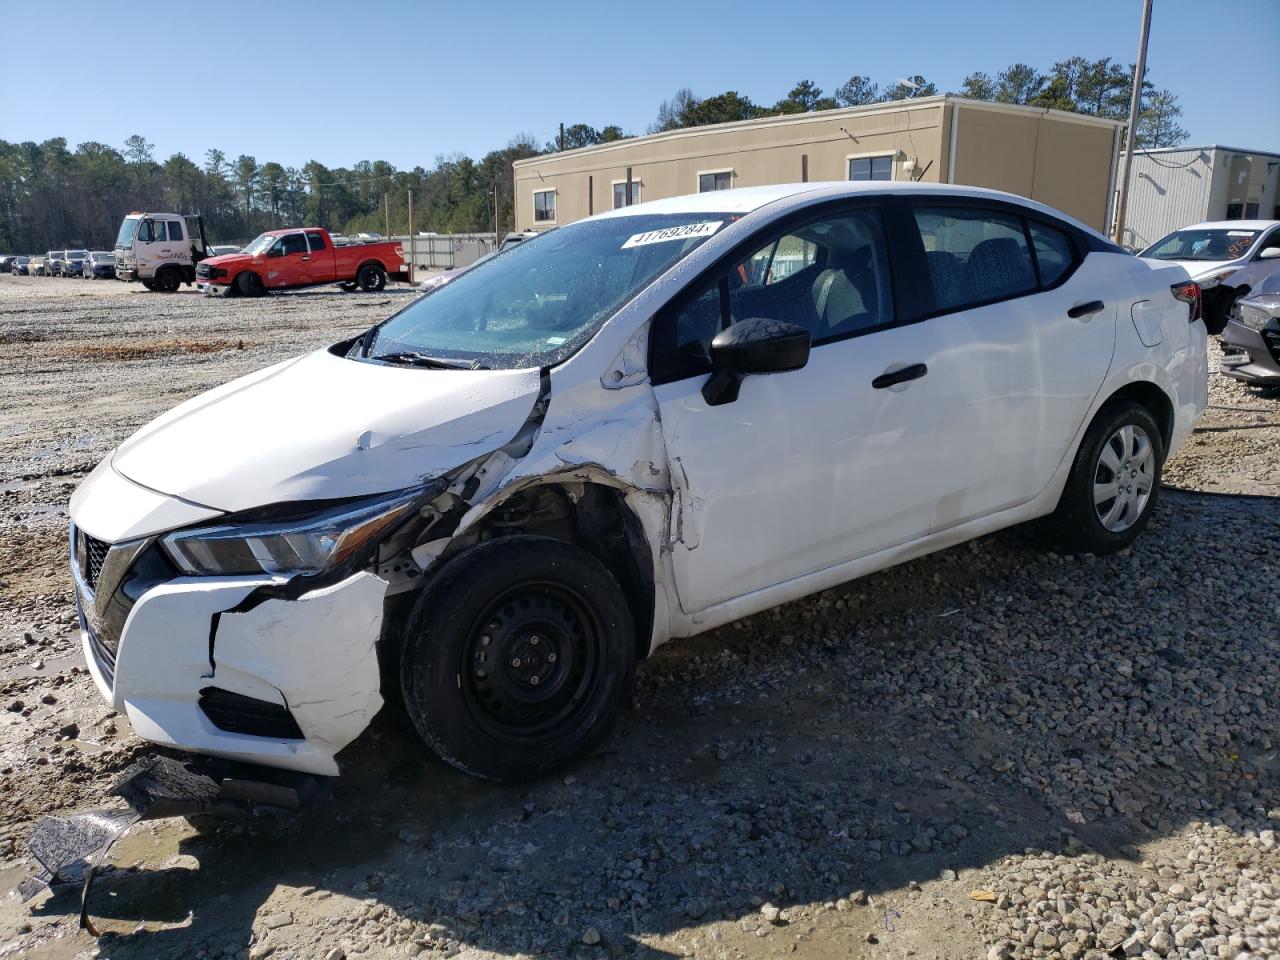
(1101, 88)
(52, 196)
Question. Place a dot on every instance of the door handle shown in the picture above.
(1086, 309)
(306, 258)
(913, 372)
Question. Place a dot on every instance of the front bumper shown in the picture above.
(212, 289)
(1256, 355)
(202, 664)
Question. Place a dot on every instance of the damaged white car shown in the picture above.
(636, 427)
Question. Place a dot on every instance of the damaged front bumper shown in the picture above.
(226, 666)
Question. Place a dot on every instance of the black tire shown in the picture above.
(349, 286)
(168, 280)
(1081, 520)
(517, 658)
(249, 284)
(149, 284)
(371, 278)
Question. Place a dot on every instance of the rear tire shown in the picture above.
(371, 278)
(1114, 482)
(168, 280)
(517, 658)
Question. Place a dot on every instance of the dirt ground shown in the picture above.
(996, 751)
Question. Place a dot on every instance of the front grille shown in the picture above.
(94, 554)
(236, 713)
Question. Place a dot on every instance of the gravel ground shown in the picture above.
(995, 751)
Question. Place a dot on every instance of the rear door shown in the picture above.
(319, 259)
(1024, 329)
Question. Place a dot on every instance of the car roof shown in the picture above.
(748, 199)
(1232, 225)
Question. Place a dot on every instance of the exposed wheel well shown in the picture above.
(1155, 400)
(371, 263)
(593, 516)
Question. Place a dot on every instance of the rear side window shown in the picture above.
(316, 241)
(1055, 253)
(974, 256)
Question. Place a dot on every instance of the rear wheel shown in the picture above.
(1114, 482)
(168, 280)
(517, 658)
(249, 284)
(371, 278)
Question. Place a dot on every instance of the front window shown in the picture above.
(543, 299)
(128, 229)
(258, 246)
(871, 168)
(544, 206)
(77, 254)
(620, 193)
(715, 180)
(1207, 244)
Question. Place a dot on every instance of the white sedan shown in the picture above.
(634, 428)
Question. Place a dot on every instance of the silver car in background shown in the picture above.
(1251, 338)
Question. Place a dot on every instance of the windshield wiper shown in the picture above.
(415, 359)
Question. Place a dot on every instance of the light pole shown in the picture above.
(1135, 103)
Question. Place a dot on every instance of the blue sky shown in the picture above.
(409, 81)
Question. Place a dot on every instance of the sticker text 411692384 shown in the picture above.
(683, 232)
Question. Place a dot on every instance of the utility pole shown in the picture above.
(412, 246)
(386, 209)
(495, 217)
(1135, 104)
(562, 136)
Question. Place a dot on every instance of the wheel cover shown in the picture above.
(531, 661)
(1123, 478)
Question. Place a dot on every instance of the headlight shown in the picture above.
(1255, 318)
(309, 545)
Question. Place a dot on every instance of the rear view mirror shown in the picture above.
(757, 345)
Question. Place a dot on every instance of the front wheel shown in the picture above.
(371, 278)
(249, 284)
(517, 659)
(1114, 483)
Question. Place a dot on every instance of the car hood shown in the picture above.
(226, 259)
(1199, 269)
(321, 426)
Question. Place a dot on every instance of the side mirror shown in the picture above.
(757, 345)
(1271, 253)
(276, 252)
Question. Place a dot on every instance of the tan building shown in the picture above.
(1065, 160)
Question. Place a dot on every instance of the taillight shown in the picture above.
(1189, 293)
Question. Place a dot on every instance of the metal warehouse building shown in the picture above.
(1178, 186)
(1066, 160)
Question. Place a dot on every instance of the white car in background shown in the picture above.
(1211, 252)
(630, 429)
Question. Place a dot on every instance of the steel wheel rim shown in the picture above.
(530, 661)
(1124, 478)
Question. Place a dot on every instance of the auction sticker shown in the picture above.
(684, 232)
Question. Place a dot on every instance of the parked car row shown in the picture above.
(93, 264)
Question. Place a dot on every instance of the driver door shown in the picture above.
(288, 261)
(805, 469)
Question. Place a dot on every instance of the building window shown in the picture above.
(544, 206)
(716, 180)
(620, 193)
(871, 168)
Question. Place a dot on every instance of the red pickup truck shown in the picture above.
(302, 257)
